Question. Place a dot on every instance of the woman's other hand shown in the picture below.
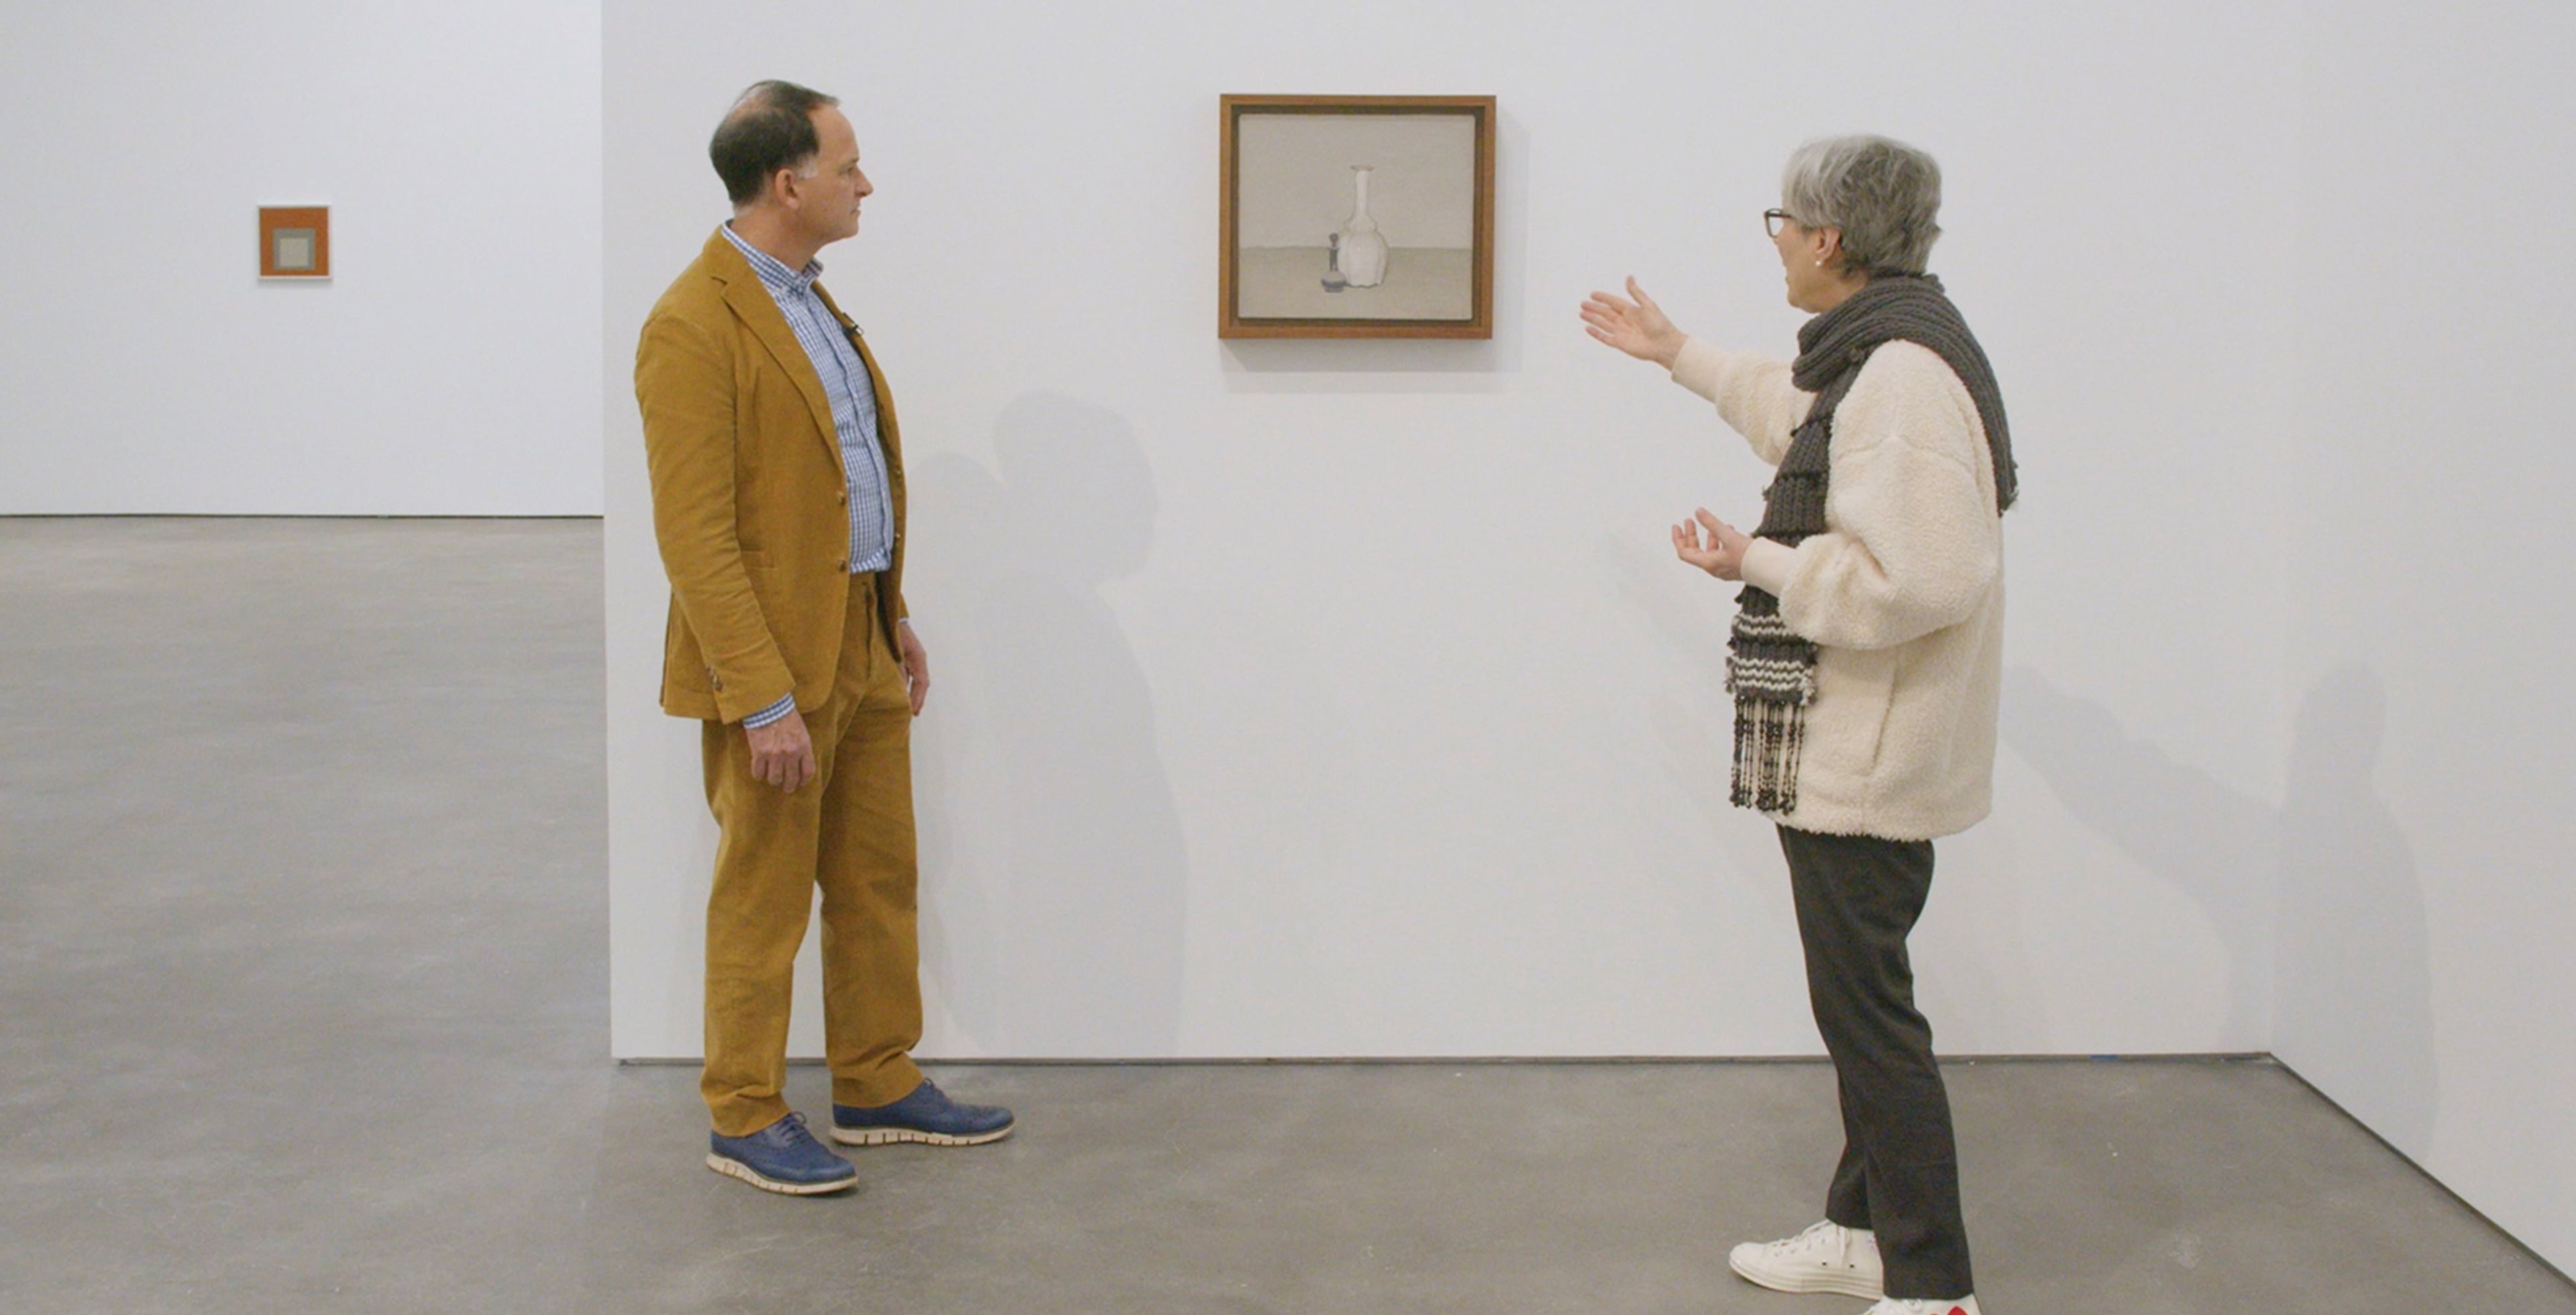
(1636, 327)
(1723, 554)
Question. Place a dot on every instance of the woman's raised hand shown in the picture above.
(1636, 327)
(1723, 554)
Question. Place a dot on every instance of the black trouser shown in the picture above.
(1857, 898)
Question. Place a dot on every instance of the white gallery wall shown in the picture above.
(451, 364)
(1344, 698)
(2427, 827)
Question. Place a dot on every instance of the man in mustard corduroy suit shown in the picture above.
(778, 501)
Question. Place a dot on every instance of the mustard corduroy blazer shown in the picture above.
(750, 503)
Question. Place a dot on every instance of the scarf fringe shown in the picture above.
(1772, 673)
(1768, 739)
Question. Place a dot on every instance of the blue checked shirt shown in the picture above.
(854, 413)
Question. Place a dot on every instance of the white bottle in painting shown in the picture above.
(1363, 247)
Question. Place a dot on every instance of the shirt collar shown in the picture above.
(774, 273)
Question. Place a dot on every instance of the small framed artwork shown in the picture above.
(1356, 217)
(295, 241)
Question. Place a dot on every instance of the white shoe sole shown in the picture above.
(1848, 1285)
(892, 1136)
(737, 1169)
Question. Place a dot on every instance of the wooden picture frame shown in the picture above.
(1290, 166)
(295, 241)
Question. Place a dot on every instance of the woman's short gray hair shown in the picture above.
(1884, 195)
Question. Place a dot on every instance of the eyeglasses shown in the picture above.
(1774, 218)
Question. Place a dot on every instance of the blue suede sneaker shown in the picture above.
(782, 1157)
(927, 1115)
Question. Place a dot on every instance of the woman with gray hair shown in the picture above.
(1865, 662)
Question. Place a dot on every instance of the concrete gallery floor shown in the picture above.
(303, 1007)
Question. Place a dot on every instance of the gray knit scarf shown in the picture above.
(1771, 670)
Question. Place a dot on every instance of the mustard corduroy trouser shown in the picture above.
(849, 831)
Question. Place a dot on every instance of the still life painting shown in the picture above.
(1357, 216)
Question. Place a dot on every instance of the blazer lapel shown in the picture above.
(759, 311)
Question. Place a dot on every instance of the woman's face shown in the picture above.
(1806, 257)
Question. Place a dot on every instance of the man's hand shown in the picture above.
(782, 753)
(1723, 556)
(1637, 327)
(916, 664)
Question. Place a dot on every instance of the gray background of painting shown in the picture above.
(1296, 172)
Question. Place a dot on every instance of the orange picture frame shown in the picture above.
(295, 241)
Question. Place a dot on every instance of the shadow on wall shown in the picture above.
(1054, 876)
(2340, 955)
(2213, 844)
(2356, 1011)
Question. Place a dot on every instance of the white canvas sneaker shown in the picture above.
(1966, 1305)
(1826, 1258)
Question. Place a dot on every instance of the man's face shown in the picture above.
(827, 204)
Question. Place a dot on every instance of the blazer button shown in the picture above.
(845, 565)
(842, 496)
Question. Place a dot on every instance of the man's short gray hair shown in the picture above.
(769, 128)
(1884, 195)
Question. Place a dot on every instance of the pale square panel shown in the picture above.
(1297, 189)
(294, 248)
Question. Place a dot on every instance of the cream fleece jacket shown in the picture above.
(1903, 593)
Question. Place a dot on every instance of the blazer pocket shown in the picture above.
(756, 559)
